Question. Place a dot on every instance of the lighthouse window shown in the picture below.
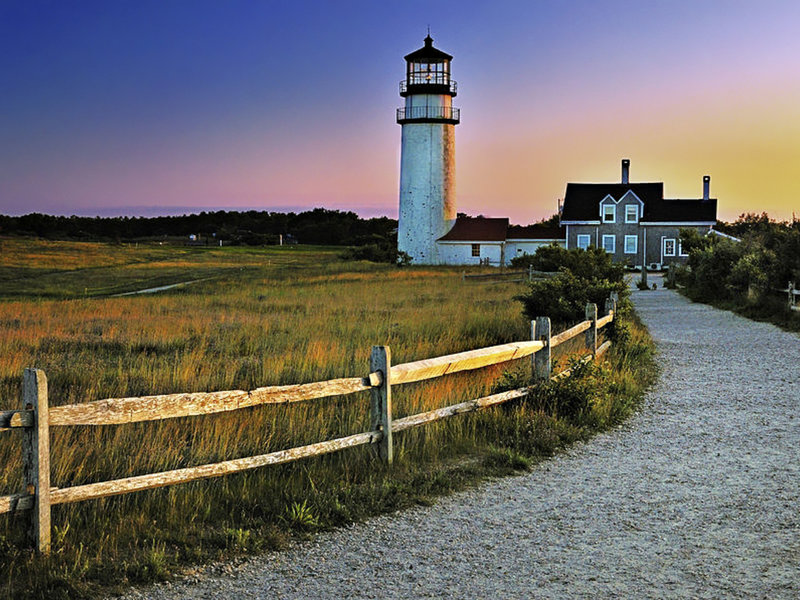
(476, 249)
(422, 73)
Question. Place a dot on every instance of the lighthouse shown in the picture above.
(427, 158)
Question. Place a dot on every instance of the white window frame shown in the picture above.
(613, 244)
(680, 250)
(585, 236)
(604, 215)
(674, 244)
(635, 240)
(631, 218)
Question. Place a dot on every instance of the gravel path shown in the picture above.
(697, 496)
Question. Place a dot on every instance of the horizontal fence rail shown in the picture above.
(115, 411)
(503, 276)
(35, 417)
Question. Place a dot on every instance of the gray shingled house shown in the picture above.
(633, 221)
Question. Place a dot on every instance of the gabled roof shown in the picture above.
(582, 203)
(536, 232)
(477, 229)
(582, 200)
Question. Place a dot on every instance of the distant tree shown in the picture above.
(552, 221)
(318, 226)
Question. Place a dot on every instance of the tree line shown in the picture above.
(317, 226)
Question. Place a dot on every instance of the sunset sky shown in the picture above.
(163, 107)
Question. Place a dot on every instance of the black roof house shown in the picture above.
(633, 222)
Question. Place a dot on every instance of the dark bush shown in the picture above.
(744, 274)
(571, 397)
(563, 298)
(380, 250)
(587, 264)
(583, 276)
(720, 269)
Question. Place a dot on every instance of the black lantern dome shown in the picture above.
(428, 72)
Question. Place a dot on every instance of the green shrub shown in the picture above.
(563, 298)
(744, 275)
(379, 250)
(588, 264)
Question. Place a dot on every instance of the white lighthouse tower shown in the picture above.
(428, 159)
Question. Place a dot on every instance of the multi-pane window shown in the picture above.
(429, 72)
(609, 213)
(609, 243)
(476, 249)
(631, 243)
(631, 213)
(669, 247)
(584, 241)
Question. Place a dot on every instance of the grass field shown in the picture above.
(259, 317)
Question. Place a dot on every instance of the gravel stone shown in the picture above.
(696, 496)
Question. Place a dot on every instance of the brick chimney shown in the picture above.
(706, 187)
(626, 166)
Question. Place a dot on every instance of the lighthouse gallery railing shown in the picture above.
(443, 113)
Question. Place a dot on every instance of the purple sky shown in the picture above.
(145, 107)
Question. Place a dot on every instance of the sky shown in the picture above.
(143, 107)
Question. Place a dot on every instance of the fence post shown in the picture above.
(36, 457)
(791, 293)
(591, 333)
(381, 406)
(533, 356)
(611, 306)
(542, 358)
(530, 273)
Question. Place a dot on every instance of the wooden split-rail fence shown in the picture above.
(503, 276)
(36, 417)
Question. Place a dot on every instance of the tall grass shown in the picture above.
(268, 317)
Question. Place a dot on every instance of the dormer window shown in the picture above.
(631, 213)
(609, 213)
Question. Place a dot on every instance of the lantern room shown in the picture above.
(428, 72)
